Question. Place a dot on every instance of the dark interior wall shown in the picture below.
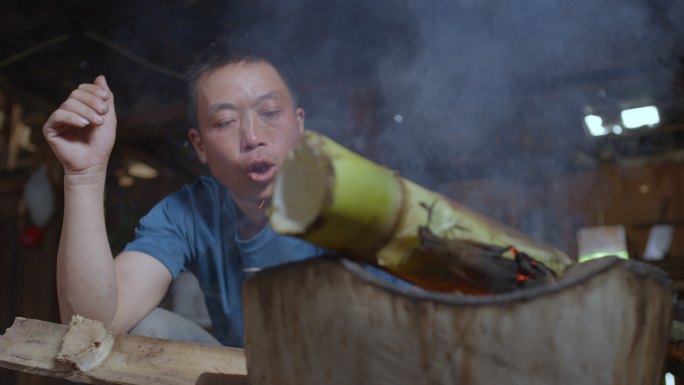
(27, 274)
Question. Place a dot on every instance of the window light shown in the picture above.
(641, 116)
(595, 126)
(669, 379)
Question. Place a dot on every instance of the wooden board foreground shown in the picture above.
(33, 346)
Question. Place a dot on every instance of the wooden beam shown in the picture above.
(87, 353)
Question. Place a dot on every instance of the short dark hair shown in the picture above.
(219, 54)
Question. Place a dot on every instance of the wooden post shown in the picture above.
(328, 321)
(13, 145)
(5, 128)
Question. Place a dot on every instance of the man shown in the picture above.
(245, 121)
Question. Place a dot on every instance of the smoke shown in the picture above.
(474, 83)
(473, 88)
(487, 72)
(330, 50)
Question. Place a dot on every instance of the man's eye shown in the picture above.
(225, 123)
(270, 113)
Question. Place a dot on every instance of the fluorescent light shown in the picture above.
(639, 117)
(594, 124)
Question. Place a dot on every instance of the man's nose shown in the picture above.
(253, 134)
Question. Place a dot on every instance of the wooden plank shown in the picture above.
(31, 346)
(328, 321)
(34, 346)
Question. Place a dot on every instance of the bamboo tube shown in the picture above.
(339, 200)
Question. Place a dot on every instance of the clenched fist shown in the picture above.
(82, 130)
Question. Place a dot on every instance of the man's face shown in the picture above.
(247, 125)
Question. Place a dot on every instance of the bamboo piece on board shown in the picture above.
(330, 196)
(605, 322)
(85, 352)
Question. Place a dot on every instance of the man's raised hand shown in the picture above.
(82, 130)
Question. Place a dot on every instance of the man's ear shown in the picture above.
(196, 140)
(300, 114)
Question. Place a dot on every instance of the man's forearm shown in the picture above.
(86, 281)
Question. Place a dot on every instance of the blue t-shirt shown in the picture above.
(195, 229)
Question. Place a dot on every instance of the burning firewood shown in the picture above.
(486, 268)
(341, 201)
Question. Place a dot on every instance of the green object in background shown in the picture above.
(601, 241)
(588, 257)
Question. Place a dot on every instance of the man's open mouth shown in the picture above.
(261, 171)
(260, 168)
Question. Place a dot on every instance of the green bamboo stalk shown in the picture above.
(335, 198)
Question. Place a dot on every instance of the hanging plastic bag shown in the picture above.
(39, 197)
(40, 202)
